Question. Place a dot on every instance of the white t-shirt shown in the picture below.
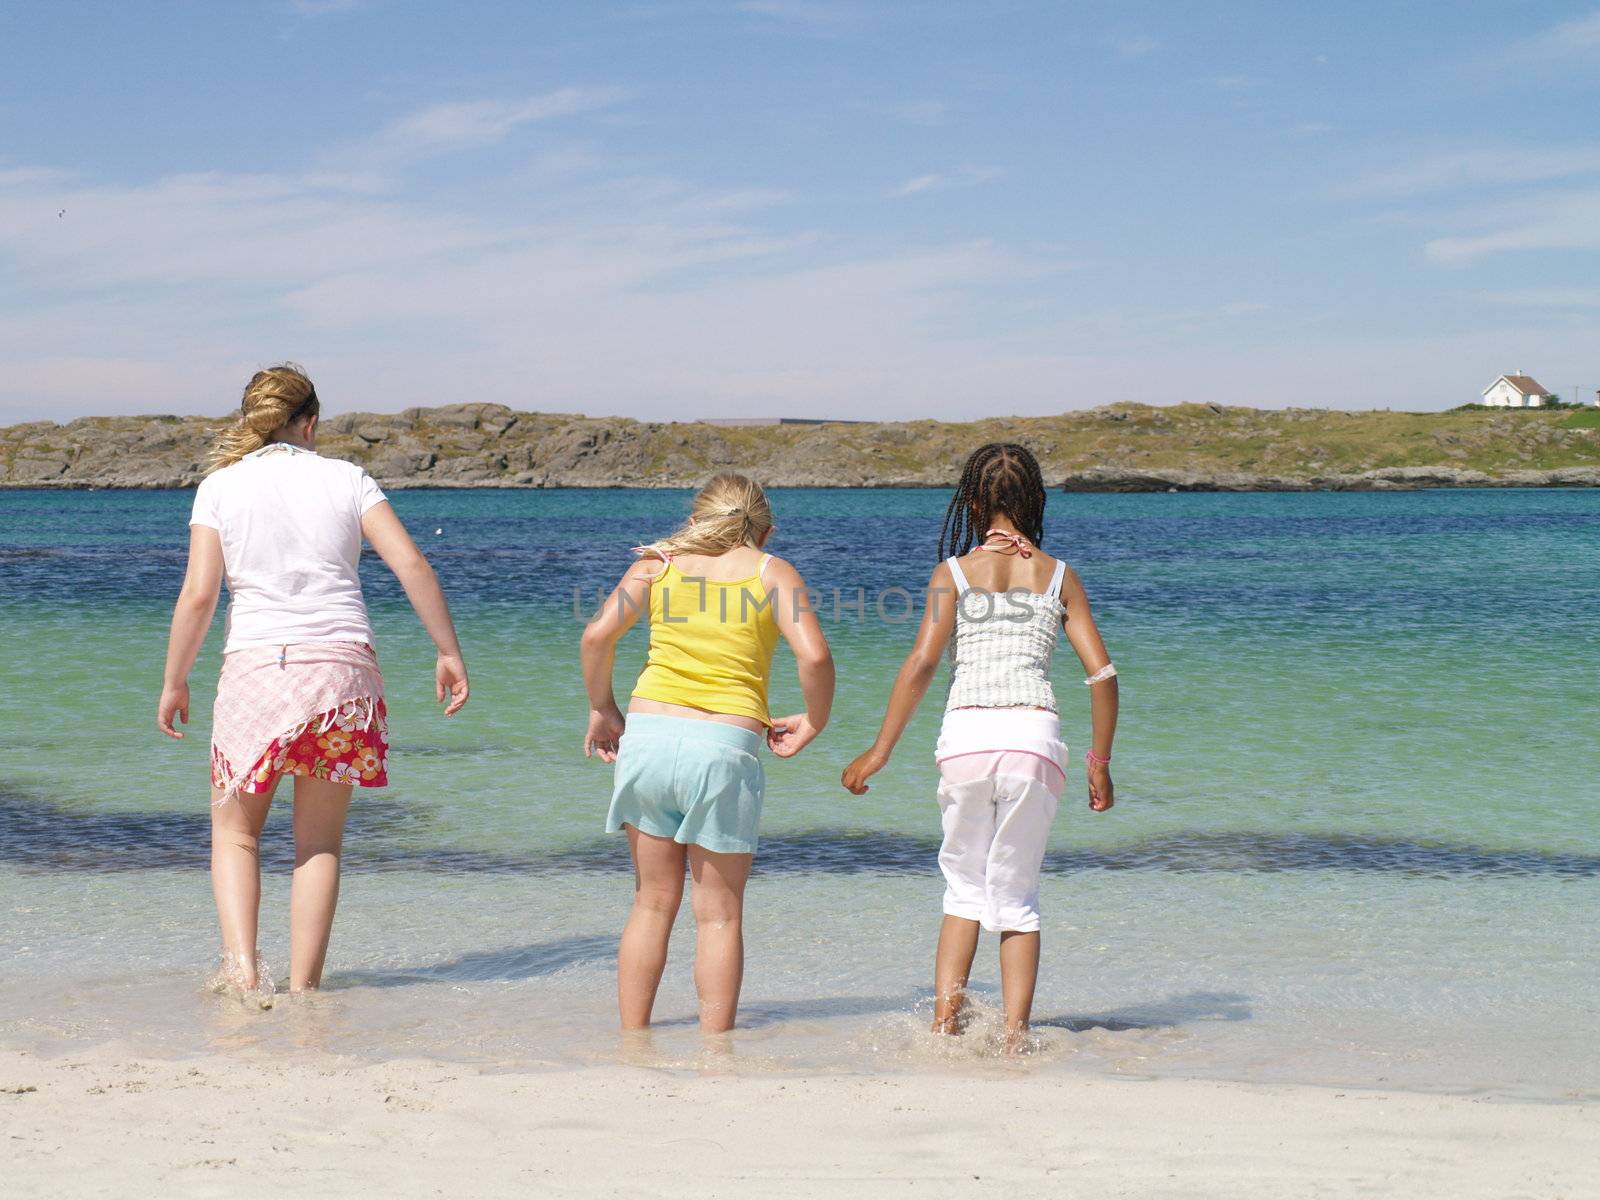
(290, 523)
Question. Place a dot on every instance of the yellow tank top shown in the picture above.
(711, 643)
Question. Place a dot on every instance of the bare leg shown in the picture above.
(958, 943)
(642, 953)
(1019, 973)
(320, 808)
(719, 881)
(236, 878)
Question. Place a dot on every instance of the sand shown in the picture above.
(103, 1124)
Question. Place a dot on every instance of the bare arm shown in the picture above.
(911, 684)
(617, 615)
(1085, 639)
(191, 618)
(814, 661)
(393, 544)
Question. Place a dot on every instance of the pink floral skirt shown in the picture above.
(351, 749)
(312, 709)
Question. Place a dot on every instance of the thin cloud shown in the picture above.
(790, 10)
(921, 112)
(1578, 38)
(920, 183)
(938, 182)
(323, 8)
(1549, 297)
(747, 200)
(612, 295)
(1560, 221)
(1135, 47)
(464, 124)
(1497, 167)
(29, 176)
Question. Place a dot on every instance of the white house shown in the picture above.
(1516, 391)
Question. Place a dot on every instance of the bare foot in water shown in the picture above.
(637, 1047)
(251, 985)
(950, 1015)
(1018, 1042)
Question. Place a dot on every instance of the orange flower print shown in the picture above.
(352, 750)
(367, 761)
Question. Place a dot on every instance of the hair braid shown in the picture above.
(1000, 479)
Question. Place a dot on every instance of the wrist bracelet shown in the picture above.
(1094, 760)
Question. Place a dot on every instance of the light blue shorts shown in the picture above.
(697, 782)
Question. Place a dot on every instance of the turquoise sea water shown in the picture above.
(1355, 839)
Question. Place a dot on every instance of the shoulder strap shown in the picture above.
(961, 580)
(761, 571)
(1056, 580)
(666, 564)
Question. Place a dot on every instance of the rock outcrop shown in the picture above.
(1118, 448)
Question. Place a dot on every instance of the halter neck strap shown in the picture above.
(1015, 540)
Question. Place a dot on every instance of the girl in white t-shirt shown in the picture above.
(300, 693)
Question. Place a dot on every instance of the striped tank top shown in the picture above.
(1002, 646)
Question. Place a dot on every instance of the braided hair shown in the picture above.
(1000, 479)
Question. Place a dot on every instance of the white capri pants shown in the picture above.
(997, 806)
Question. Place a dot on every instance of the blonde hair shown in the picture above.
(729, 512)
(273, 399)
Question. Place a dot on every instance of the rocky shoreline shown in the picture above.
(1117, 448)
(1388, 479)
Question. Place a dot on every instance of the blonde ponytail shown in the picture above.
(273, 398)
(729, 512)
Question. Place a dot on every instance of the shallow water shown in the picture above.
(1354, 842)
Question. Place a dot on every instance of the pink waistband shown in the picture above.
(986, 730)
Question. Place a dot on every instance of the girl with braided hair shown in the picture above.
(997, 602)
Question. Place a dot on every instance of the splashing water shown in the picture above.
(252, 986)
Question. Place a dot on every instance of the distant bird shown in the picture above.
(437, 532)
(61, 214)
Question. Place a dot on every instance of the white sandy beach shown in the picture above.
(104, 1125)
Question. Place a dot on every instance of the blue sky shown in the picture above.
(801, 207)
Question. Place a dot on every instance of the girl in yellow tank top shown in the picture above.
(689, 783)
(711, 642)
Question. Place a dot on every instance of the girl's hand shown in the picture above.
(862, 769)
(174, 702)
(790, 735)
(1102, 794)
(450, 683)
(605, 728)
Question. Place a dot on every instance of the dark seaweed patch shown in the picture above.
(42, 835)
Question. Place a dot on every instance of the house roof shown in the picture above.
(1526, 384)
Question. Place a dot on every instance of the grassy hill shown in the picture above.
(1119, 446)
